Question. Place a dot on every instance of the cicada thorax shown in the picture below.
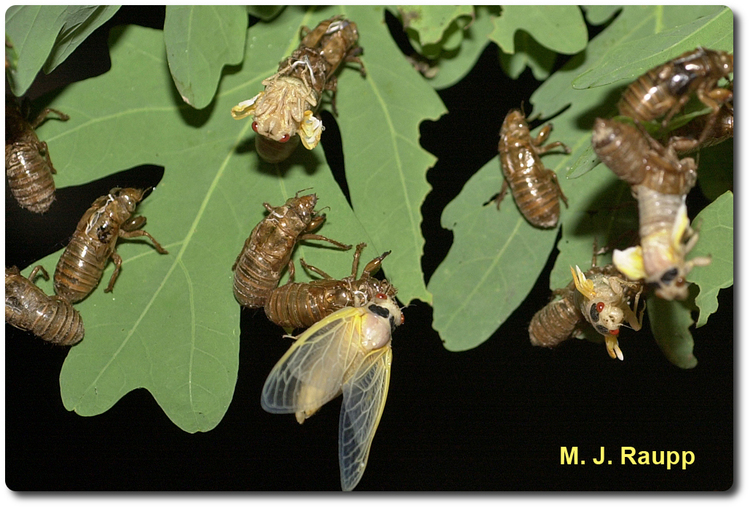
(94, 241)
(665, 89)
(535, 188)
(269, 248)
(28, 308)
(557, 321)
(300, 305)
(27, 160)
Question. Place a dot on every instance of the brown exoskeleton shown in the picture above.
(28, 308)
(665, 89)
(300, 305)
(659, 181)
(27, 160)
(269, 247)
(601, 296)
(704, 131)
(285, 112)
(534, 187)
(95, 239)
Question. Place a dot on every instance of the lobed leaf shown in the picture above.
(599, 14)
(716, 226)
(492, 265)
(171, 325)
(32, 29)
(528, 53)
(560, 28)
(712, 27)
(427, 24)
(200, 41)
(264, 12)
(80, 22)
(670, 323)
(385, 165)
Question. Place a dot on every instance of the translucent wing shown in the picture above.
(312, 372)
(364, 399)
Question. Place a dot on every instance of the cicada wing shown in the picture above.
(312, 371)
(364, 399)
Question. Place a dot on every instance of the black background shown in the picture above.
(492, 418)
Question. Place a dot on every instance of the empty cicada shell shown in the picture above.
(28, 308)
(665, 89)
(300, 305)
(269, 247)
(534, 187)
(95, 239)
(27, 160)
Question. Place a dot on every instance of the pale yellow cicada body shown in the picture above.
(349, 353)
(282, 111)
(604, 301)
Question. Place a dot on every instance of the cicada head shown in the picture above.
(378, 324)
(304, 207)
(129, 197)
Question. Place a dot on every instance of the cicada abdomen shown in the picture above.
(28, 308)
(94, 241)
(665, 89)
(555, 322)
(300, 305)
(269, 248)
(27, 160)
(534, 187)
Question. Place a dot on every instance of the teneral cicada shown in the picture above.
(269, 247)
(659, 181)
(285, 111)
(347, 352)
(601, 297)
(299, 305)
(27, 160)
(28, 308)
(95, 239)
(534, 187)
(666, 89)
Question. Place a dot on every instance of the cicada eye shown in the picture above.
(616, 331)
(255, 126)
(669, 276)
(599, 306)
(284, 138)
(381, 296)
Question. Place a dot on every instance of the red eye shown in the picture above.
(615, 332)
(284, 138)
(402, 319)
(381, 296)
(599, 306)
(255, 126)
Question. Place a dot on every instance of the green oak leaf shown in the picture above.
(171, 324)
(560, 28)
(200, 41)
(715, 224)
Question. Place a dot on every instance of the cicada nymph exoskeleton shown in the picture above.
(28, 308)
(660, 182)
(284, 113)
(269, 248)
(94, 242)
(601, 297)
(534, 187)
(27, 160)
(348, 352)
(664, 90)
(300, 305)
(704, 131)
